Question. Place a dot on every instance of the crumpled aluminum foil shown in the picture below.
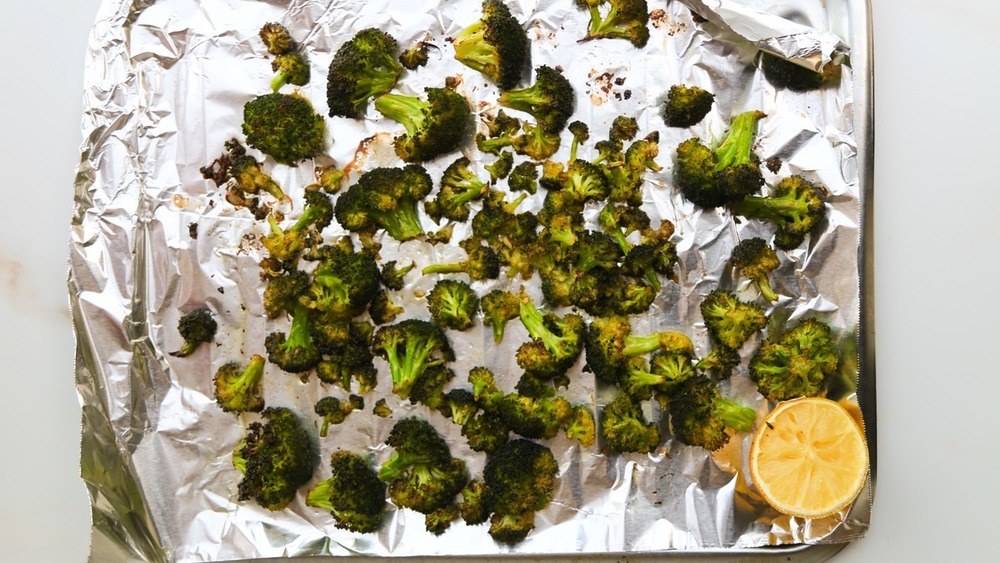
(165, 85)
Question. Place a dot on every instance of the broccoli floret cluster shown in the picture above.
(797, 363)
(196, 328)
(435, 125)
(728, 173)
(363, 68)
(276, 457)
(284, 127)
(495, 45)
(624, 19)
(353, 494)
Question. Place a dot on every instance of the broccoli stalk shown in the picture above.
(238, 388)
(482, 263)
(411, 347)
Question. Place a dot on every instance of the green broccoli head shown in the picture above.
(756, 260)
(284, 127)
(277, 457)
(499, 307)
(609, 343)
(699, 415)
(353, 494)
(196, 328)
(343, 284)
(411, 347)
(626, 19)
(238, 388)
(416, 56)
(520, 478)
(686, 105)
(729, 321)
(729, 173)
(495, 45)
(421, 472)
(290, 68)
(485, 432)
(334, 411)
(459, 187)
(296, 350)
(556, 342)
(350, 360)
(453, 304)
(385, 198)
(550, 100)
(250, 178)
(475, 507)
(365, 67)
(795, 207)
(796, 364)
(535, 417)
(624, 428)
(434, 126)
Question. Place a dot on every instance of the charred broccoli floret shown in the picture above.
(686, 105)
(344, 282)
(699, 415)
(296, 350)
(556, 342)
(276, 458)
(428, 389)
(756, 260)
(795, 207)
(421, 473)
(334, 411)
(485, 432)
(495, 45)
(382, 310)
(277, 38)
(392, 276)
(385, 198)
(581, 133)
(453, 304)
(411, 347)
(284, 127)
(524, 178)
(665, 371)
(345, 362)
(475, 506)
(283, 291)
(196, 328)
(624, 427)
(459, 187)
(609, 343)
(729, 321)
(382, 409)
(353, 493)
(783, 73)
(625, 178)
(249, 177)
(501, 167)
(796, 364)
(416, 56)
(459, 405)
(535, 417)
(482, 263)
(290, 68)
(287, 244)
(550, 100)
(626, 19)
(520, 478)
(499, 307)
(238, 388)
(720, 362)
(484, 388)
(713, 178)
(580, 426)
(434, 126)
(363, 68)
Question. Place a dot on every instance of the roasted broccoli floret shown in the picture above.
(249, 177)
(495, 45)
(624, 427)
(626, 19)
(550, 100)
(453, 304)
(501, 167)
(485, 432)
(296, 350)
(795, 364)
(286, 244)
(416, 56)
(581, 132)
(385, 198)
(277, 39)
(720, 362)
(196, 328)
(520, 478)
(524, 178)
(290, 68)
(345, 362)
(756, 260)
(382, 409)
(482, 263)
(609, 343)
(625, 178)
(344, 283)
(665, 371)
(428, 389)
(459, 187)
(334, 411)
(421, 473)
(411, 347)
(238, 388)
(535, 417)
(729, 321)
(699, 415)
(499, 307)
(353, 494)
(686, 105)
(580, 426)
(484, 388)
(284, 127)
(783, 73)
(382, 310)
(556, 342)
(535, 142)
(795, 207)
(363, 68)
(438, 521)
(459, 405)
(475, 506)
(276, 458)
(392, 276)
(713, 178)
(434, 126)
(283, 291)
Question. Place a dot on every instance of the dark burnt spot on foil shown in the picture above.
(193, 230)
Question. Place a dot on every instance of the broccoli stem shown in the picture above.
(376, 79)
(299, 334)
(765, 288)
(605, 26)
(474, 51)
(534, 322)
(525, 99)
(402, 223)
(246, 384)
(439, 268)
(319, 496)
(668, 340)
(734, 415)
(773, 209)
(736, 148)
(406, 110)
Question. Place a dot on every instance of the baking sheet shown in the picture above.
(166, 84)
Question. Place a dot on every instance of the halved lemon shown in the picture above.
(809, 458)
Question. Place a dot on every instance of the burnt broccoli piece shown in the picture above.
(392, 276)
(556, 342)
(686, 105)
(416, 56)
(699, 415)
(365, 67)
(196, 328)
(535, 417)
(353, 494)
(520, 478)
(382, 310)
(785, 74)
(351, 360)
(276, 457)
(277, 39)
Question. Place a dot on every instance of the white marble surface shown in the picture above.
(936, 239)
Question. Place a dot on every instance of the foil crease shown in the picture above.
(165, 86)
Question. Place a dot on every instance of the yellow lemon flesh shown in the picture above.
(809, 458)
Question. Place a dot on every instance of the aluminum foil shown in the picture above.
(151, 239)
